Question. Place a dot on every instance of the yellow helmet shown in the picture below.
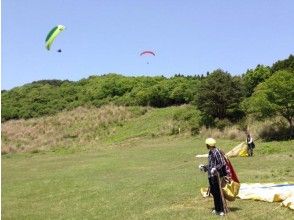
(210, 141)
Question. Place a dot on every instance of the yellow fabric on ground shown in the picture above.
(268, 192)
(201, 155)
(239, 150)
(236, 150)
(243, 153)
(231, 190)
(289, 202)
(204, 192)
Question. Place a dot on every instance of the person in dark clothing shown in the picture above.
(250, 145)
(216, 166)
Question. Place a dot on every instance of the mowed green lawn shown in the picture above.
(154, 179)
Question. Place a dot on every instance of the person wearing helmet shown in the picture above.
(216, 166)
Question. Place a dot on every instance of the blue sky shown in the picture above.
(107, 36)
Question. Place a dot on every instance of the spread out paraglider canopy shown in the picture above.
(147, 52)
(52, 35)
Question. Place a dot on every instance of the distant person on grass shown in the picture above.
(250, 145)
(216, 169)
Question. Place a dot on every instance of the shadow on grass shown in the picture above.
(234, 209)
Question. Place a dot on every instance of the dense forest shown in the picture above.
(264, 91)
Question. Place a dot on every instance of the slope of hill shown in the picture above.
(83, 128)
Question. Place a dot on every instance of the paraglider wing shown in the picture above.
(147, 52)
(52, 35)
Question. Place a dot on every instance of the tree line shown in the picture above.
(263, 92)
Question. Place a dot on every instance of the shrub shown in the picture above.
(187, 117)
(221, 124)
(275, 131)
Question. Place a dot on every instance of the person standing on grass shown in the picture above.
(250, 145)
(216, 169)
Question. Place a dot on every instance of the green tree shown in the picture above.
(287, 64)
(274, 97)
(183, 89)
(219, 95)
(255, 76)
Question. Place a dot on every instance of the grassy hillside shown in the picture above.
(89, 128)
(151, 179)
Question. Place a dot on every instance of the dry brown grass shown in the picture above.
(81, 126)
(232, 133)
(270, 129)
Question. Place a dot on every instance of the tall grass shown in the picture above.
(268, 130)
(276, 128)
(231, 133)
(81, 126)
(86, 128)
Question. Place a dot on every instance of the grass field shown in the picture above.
(148, 179)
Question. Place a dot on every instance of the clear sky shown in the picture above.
(106, 36)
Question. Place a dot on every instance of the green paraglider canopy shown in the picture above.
(52, 35)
